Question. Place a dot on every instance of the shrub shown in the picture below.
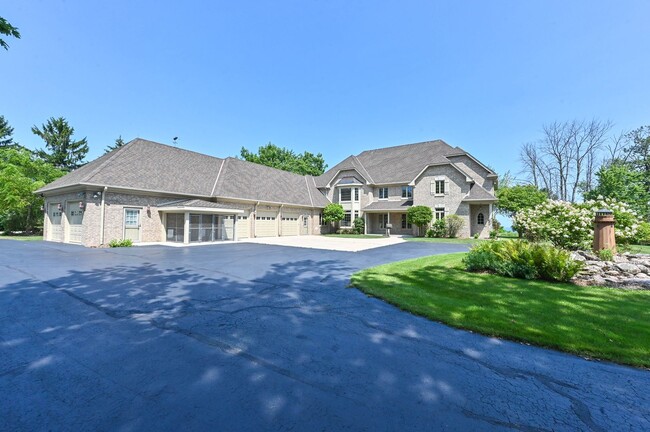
(438, 229)
(494, 234)
(454, 225)
(333, 213)
(359, 226)
(524, 260)
(642, 235)
(606, 255)
(559, 222)
(420, 216)
(120, 243)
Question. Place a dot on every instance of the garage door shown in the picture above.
(243, 227)
(75, 222)
(290, 222)
(266, 224)
(56, 230)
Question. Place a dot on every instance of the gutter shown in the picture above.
(102, 217)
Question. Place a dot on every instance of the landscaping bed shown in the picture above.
(590, 321)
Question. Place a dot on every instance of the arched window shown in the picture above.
(481, 219)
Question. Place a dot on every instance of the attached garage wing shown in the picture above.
(55, 214)
(75, 216)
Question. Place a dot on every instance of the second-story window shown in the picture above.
(383, 193)
(407, 191)
(346, 195)
(440, 187)
(356, 194)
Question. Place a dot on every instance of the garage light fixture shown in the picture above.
(59, 207)
(42, 208)
(97, 195)
(81, 205)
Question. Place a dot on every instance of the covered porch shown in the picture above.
(198, 221)
(481, 206)
(379, 214)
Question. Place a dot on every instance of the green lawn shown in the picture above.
(356, 236)
(643, 249)
(594, 322)
(21, 237)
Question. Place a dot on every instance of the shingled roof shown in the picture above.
(399, 164)
(153, 167)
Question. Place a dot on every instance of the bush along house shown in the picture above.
(151, 192)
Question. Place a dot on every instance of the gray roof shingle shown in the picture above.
(478, 193)
(399, 164)
(149, 166)
(388, 206)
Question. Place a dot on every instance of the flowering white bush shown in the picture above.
(570, 226)
(626, 220)
(563, 224)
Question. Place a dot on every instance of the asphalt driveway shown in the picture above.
(260, 337)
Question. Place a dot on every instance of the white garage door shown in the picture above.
(243, 227)
(56, 229)
(75, 222)
(290, 223)
(266, 224)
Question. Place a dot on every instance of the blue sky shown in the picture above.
(336, 77)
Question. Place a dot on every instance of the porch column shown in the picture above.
(365, 223)
(186, 229)
(234, 228)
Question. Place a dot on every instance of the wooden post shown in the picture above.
(604, 236)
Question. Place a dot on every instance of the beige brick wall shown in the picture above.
(452, 201)
(476, 171)
(482, 230)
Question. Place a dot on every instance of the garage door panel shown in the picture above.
(243, 227)
(266, 224)
(75, 223)
(56, 228)
(290, 223)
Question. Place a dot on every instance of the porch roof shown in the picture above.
(478, 194)
(198, 205)
(377, 206)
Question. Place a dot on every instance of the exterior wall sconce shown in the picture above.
(81, 205)
(59, 207)
(42, 208)
(97, 195)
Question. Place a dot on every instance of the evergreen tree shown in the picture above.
(6, 133)
(60, 149)
(119, 142)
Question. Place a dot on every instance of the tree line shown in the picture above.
(581, 160)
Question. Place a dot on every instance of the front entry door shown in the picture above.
(132, 224)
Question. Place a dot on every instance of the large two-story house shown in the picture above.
(151, 192)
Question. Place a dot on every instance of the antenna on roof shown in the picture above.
(175, 141)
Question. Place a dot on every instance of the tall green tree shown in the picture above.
(119, 142)
(7, 29)
(623, 183)
(519, 197)
(60, 149)
(21, 173)
(282, 158)
(6, 133)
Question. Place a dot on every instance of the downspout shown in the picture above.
(101, 218)
(280, 220)
(255, 220)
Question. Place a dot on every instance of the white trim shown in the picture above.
(309, 192)
(346, 169)
(468, 179)
(199, 210)
(217, 179)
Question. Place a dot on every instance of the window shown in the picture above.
(131, 218)
(346, 195)
(383, 220)
(347, 219)
(383, 193)
(405, 223)
(356, 194)
(439, 187)
(439, 213)
(320, 219)
(481, 219)
(305, 221)
(407, 191)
